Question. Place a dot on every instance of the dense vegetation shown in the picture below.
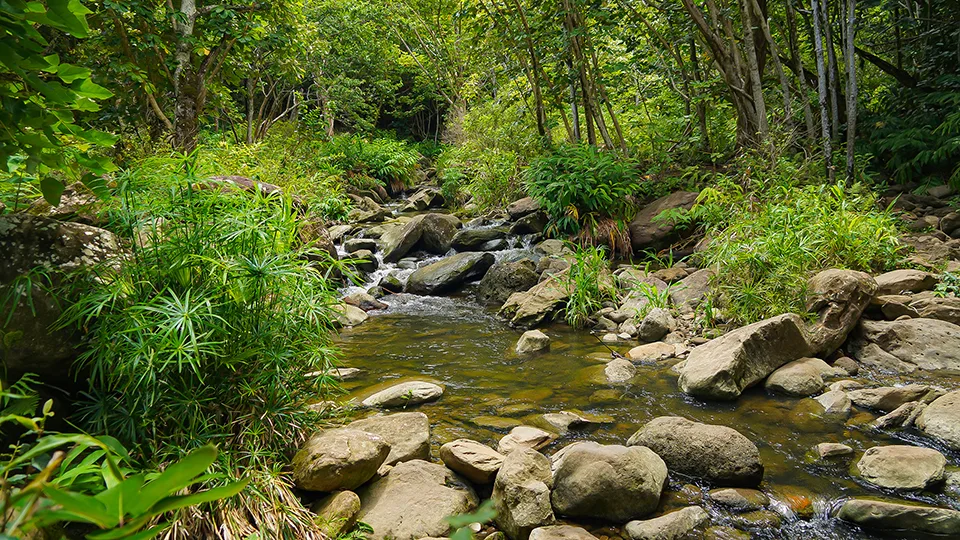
(789, 117)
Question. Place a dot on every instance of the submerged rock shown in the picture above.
(561, 532)
(407, 433)
(901, 467)
(882, 515)
(941, 419)
(532, 341)
(829, 450)
(673, 526)
(717, 454)
(521, 493)
(405, 394)
(347, 315)
(449, 273)
(476, 462)
(740, 499)
(338, 459)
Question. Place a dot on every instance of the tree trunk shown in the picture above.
(700, 107)
(186, 81)
(802, 85)
(851, 88)
(775, 53)
(753, 70)
(822, 90)
(250, 103)
(832, 70)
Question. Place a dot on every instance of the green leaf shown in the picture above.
(128, 532)
(70, 16)
(52, 189)
(175, 477)
(69, 73)
(80, 508)
(210, 495)
(90, 89)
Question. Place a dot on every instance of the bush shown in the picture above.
(391, 162)
(590, 285)
(214, 331)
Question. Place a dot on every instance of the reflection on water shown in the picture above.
(489, 388)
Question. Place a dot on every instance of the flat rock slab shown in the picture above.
(941, 419)
(673, 526)
(882, 515)
(907, 345)
(405, 394)
(561, 532)
(474, 461)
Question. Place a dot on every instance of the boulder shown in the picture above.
(888, 398)
(407, 433)
(647, 233)
(882, 515)
(505, 278)
(522, 207)
(399, 241)
(437, 232)
(652, 352)
(553, 248)
(356, 244)
(941, 419)
(691, 290)
(608, 482)
(529, 308)
(521, 493)
(59, 248)
(77, 205)
(475, 239)
(337, 512)
(800, 378)
(657, 323)
(427, 197)
(347, 315)
(901, 467)
(903, 416)
(534, 223)
(338, 459)
(448, 273)
(673, 526)
(474, 461)
(413, 501)
(561, 532)
(364, 260)
(619, 370)
(671, 274)
(405, 394)
(944, 309)
(907, 280)
(718, 454)
(724, 367)
(532, 341)
(826, 450)
(838, 298)
(907, 345)
(524, 437)
(740, 499)
(364, 301)
(835, 403)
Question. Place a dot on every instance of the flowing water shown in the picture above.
(489, 389)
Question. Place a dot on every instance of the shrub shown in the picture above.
(393, 163)
(214, 331)
(590, 285)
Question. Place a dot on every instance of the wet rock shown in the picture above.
(524, 437)
(530, 308)
(800, 378)
(356, 244)
(673, 526)
(365, 261)
(717, 454)
(758, 519)
(347, 315)
(438, 232)
(722, 532)
(605, 325)
(364, 301)
(846, 385)
(505, 278)
(563, 421)
(427, 197)
(691, 290)
(610, 482)
(847, 364)
(391, 282)
(740, 499)
(629, 328)
(648, 233)
(657, 323)
(337, 513)
(619, 370)
(407, 433)
(338, 459)
(522, 207)
(838, 298)
(904, 346)
(652, 352)
(561, 532)
(724, 367)
(941, 419)
(399, 241)
(908, 280)
(888, 398)
(553, 248)
(882, 515)
(474, 239)
(835, 403)
(901, 467)
(474, 461)
(521, 493)
(405, 394)
(449, 273)
(943, 309)
(530, 224)
(413, 501)
(827, 450)
(532, 341)
(903, 416)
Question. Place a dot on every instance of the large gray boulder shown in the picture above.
(398, 241)
(838, 298)
(476, 239)
(888, 398)
(522, 207)
(413, 501)
(521, 493)
(691, 290)
(447, 274)
(801, 378)
(901, 467)
(724, 367)
(505, 278)
(646, 233)
(58, 248)
(718, 454)
(907, 345)
(905, 281)
(338, 459)
(407, 433)
(883, 515)
(609, 482)
(673, 526)
(941, 419)
(475, 461)
(405, 394)
(529, 308)
(430, 232)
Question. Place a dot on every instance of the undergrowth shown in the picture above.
(589, 283)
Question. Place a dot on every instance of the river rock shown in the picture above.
(901, 467)
(356, 244)
(691, 290)
(405, 394)
(799, 378)
(553, 248)
(941, 419)
(407, 433)
(475, 239)
(903, 416)
(364, 301)
(347, 315)
(505, 278)
(561, 532)
(413, 501)
(722, 532)
(424, 198)
(657, 323)
(907, 345)
(717, 454)
(338, 459)
(907, 280)
(619, 370)
(364, 260)
(944, 309)
(448, 273)
(740, 499)
(838, 298)
(646, 233)
(532, 341)
(609, 482)
(474, 461)
(673, 526)
(847, 364)
(835, 403)
(398, 241)
(652, 352)
(724, 367)
(534, 223)
(529, 308)
(828, 450)
(522, 207)
(888, 398)
(337, 512)
(391, 282)
(524, 437)
(521, 493)
(882, 515)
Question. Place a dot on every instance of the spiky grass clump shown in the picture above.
(589, 283)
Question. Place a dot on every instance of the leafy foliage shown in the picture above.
(590, 285)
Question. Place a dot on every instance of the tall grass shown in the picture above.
(207, 335)
(589, 283)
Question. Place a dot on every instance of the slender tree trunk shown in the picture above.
(250, 104)
(186, 81)
(802, 85)
(534, 79)
(832, 70)
(775, 53)
(822, 90)
(753, 69)
(851, 87)
(700, 106)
